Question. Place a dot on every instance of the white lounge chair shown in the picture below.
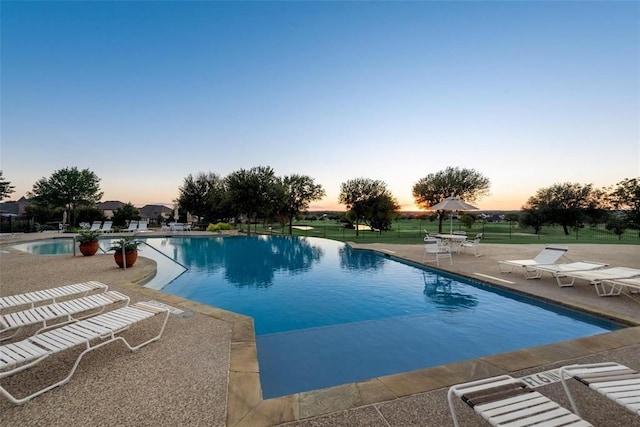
(613, 380)
(548, 255)
(106, 227)
(616, 286)
(558, 270)
(133, 226)
(142, 226)
(92, 333)
(434, 247)
(50, 295)
(59, 312)
(506, 401)
(95, 225)
(602, 278)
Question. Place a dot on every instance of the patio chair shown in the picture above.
(92, 333)
(548, 255)
(603, 278)
(106, 227)
(59, 312)
(613, 380)
(50, 295)
(434, 247)
(142, 226)
(472, 244)
(504, 400)
(558, 270)
(95, 225)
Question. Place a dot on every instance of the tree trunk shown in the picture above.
(290, 225)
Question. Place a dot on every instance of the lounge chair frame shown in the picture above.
(507, 401)
(22, 355)
(50, 295)
(558, 271)
(549, 255)
(613, 380)
(602, 279)
(60, 313)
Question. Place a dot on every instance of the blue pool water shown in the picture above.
(326, 314)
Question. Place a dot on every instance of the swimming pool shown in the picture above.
(326, 314)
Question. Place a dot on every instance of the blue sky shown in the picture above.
(145, 93)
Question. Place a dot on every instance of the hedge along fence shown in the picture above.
(413, 232)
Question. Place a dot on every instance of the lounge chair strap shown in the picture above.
(493, 394)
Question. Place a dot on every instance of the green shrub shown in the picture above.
(219, 226)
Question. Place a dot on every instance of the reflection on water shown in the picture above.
(438, 290)
(247, 261)
(351, 259)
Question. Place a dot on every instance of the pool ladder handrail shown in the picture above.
(162, 253)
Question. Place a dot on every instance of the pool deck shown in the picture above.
(204, 370)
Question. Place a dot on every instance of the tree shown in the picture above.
(532, 218)
(625, 197)
(382, 211)
(566, 204)
(5, 188)
(465, 184)
(367, 200)
(299, 191)
(125, 213)
(255, 193)
(68, 188)
(205, 196)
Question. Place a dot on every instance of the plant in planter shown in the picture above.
(88, 242)
(129, 246)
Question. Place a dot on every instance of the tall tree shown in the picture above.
(68, 188)
(465, 184)
(5, 188)
(367, 201)
(255, 193)
(204, 195)
(565, 204)
(299, 191)
(625, 197)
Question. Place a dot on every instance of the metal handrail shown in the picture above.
(163, 254)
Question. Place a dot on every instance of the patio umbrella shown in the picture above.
(453, 204)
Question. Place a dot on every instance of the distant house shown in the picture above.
(15, 208)
(109, 207)
(152, 212)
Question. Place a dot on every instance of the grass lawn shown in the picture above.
(410, 231)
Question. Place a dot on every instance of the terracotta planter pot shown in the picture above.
(89, 249)
(130, 258)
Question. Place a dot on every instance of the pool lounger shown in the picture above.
(600, 276)
(558, 271)
(51, 294)
(60, 312)
(549, 255)
(503, 400)
(616, 382)
(21, 355)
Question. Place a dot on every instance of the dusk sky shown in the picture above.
(145, 93)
